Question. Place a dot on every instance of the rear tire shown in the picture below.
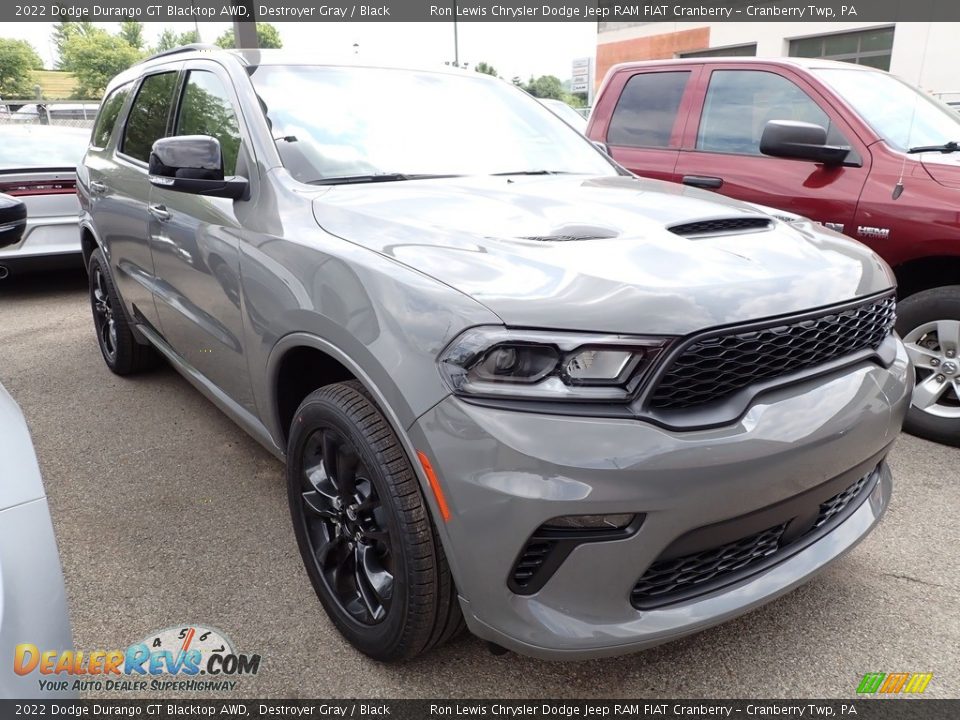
(120, 349)
(929, 323)
(364, 529)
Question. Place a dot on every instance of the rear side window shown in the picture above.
(147, 121)
(647, 110)
(740, 103)
(205, 109)
(107, 118)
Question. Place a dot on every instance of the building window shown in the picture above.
(869, 47)
(735, 51)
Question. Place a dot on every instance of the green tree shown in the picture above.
(546, 86)
(267, 37)
(95, 58)
(132, 32)
(17, 59)
(63, 31)
(169, 39)
(486, 69)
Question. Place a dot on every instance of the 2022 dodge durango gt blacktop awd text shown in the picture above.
(515, 387)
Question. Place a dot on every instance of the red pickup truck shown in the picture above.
(845, 145)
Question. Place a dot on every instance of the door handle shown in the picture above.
(702, 181)
(160, 212)
(97, 187)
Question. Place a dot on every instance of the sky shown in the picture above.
(520, 48)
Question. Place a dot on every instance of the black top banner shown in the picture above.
(601, 11)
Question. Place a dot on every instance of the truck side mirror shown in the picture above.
(801, 141)
(193, 164)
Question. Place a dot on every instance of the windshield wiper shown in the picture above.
(376, 177)
(949, 147)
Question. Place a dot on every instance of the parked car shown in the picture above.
(38, 165)
(568, 114)
(851, 147)
(33, 607)
(56, 113)
(514, 386)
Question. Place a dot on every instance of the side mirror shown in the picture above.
(13, 220)
(801, 141)
(193, 164)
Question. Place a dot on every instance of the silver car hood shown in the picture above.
(629, 273)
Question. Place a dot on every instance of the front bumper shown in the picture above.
(505, 473)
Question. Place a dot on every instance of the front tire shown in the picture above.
(929, 323)
(120, 349)
(364, 529)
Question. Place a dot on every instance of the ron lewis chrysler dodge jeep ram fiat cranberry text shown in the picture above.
(515, 387)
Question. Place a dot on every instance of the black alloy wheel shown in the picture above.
(121, 351)
(346, 526)
(364, 528)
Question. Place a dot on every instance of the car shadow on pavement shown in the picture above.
(33, 284)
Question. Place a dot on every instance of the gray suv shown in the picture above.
(516, 388)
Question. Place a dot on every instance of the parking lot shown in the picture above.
(167, 513)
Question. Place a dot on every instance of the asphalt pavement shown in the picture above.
(168, 514)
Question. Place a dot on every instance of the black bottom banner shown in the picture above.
(894, 709)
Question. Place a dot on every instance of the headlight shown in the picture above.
(541, 365)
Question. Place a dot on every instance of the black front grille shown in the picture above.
(713, 367)
(664, 578)
(838, 503)
(719, 226)
(682, 578)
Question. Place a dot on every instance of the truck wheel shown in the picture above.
(120, 349)
(364, 529)
(929, 323)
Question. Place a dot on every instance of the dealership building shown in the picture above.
(923, 53)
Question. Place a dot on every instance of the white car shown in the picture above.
(33, 604)
(38, 165)
(568, 114)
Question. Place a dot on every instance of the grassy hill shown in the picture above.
(55, 84)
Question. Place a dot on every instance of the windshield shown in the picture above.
(899, 113)
(334, 122)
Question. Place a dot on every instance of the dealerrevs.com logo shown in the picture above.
(187, 657)
(894, 683)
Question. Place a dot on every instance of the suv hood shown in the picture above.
(508, 243)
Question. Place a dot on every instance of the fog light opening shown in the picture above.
(590, 522)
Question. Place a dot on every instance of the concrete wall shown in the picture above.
(925, 54)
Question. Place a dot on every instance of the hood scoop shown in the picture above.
(568, 233)
(722, 226)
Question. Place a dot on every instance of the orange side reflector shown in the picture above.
(434, 485)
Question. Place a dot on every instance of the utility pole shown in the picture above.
(245, 31)
(456, 44)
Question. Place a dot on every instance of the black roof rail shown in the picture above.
(182, 49)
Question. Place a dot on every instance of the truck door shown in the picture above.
(721, 149)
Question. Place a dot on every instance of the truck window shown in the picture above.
(109, 112)
(647, 109)
(739, 104)
(147, 120)
(205, 109)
